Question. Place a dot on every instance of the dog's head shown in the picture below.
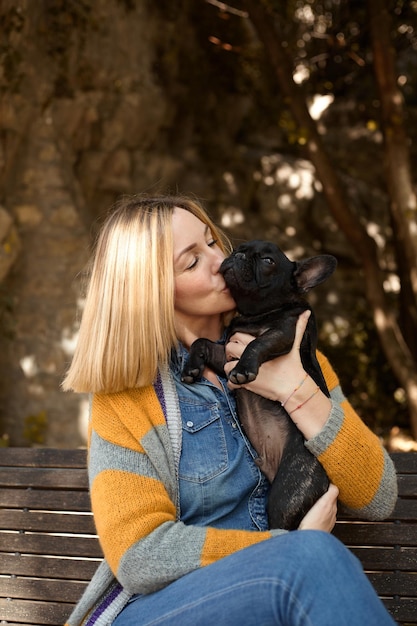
(262, 278)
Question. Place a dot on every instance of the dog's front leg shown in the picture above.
(203, 353)
(272, 343)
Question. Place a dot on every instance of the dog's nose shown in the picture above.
(240, 255)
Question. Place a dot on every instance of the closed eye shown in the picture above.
(193, 264)
(211, 244)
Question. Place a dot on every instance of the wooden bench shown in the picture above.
(49, 550)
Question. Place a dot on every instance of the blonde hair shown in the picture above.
(127, 328)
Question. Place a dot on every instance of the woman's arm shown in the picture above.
(134, 496)
(353, 456)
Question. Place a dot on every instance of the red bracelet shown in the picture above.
(294, 390)
(305, 401)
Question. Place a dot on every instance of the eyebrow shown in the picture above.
(191, 246)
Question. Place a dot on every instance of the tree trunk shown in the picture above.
(403, 204)
(392, 340)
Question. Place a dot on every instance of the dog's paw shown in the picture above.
(190, 376)
(238, 377)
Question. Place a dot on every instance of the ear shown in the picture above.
(313, 271)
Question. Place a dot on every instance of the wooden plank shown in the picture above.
(387, 559)
(41, 477)
(403, 611)
(405, 510)
(376, 534)
(47, 590)
(407, 485)
(43, 457)
(51, 544)
(45, 499)
(29, 612)
(47, 522)
(403, 584)
(405, 462)
(48, 567)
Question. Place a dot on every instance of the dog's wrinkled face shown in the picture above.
(261, 277)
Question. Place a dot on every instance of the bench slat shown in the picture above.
(45, 499)
(32, 612)
(405, 510)
(47, 567)
(43, 477)
(403, 611)
(47, 590)
(377, 534)
(401, 584)
(387, 559)
(43, 457)
(49, 522)
(51, 544)
(407, 485)
(405, 462)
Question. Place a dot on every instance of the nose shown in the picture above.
(240, 255)
(218, 258)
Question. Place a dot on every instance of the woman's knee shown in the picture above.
(314, 549)
(318, 549)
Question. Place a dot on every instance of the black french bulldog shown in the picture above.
(269, 291)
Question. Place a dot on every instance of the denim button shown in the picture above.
(190, 424)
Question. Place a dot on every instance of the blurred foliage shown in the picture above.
(365, 375)
(35, 427)
(4, 441)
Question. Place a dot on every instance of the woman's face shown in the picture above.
(200, 291)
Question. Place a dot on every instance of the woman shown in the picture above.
(178, 500)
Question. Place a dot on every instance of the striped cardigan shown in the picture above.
(134, 450)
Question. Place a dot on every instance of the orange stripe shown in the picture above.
(124, 418)
(359, 479)
(220, 542)
(122, 521)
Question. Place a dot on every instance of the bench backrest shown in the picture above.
(49, 550)
(48, 546)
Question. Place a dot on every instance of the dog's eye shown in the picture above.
(268, 260)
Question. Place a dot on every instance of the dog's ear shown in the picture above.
(313, 271)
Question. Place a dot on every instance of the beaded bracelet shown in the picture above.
(305, 401)
(294, 390)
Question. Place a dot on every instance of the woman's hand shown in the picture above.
(322, 515)
(284, 379)
(278, 377)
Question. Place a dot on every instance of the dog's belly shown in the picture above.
(267, 427)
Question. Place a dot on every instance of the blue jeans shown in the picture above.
(303, 578)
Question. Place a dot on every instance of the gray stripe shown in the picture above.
(173, 416)
(174, 423)
(318, 444)
(159, 456)
(105, 455)
(170, 551)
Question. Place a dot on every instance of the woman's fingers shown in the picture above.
(300, 328)
(322, 516)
